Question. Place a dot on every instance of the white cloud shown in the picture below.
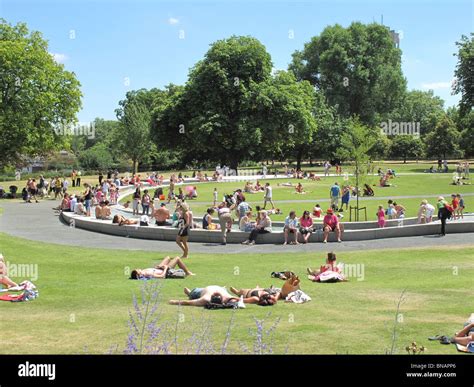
(59, 58)
(436, 85)
(173, 21)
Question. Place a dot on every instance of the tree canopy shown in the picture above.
(37, 95)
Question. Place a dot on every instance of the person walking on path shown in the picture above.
(185, 223)
(268, 196)
(443, 213)
(225, 220)
(335, 193)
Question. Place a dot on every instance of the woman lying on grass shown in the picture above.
(268, 296)
(163, 270)
(4, 280)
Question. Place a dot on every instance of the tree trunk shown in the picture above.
(135, 166)
(299, 156)
(234, 163)
(404, 159)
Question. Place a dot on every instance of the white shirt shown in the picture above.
(79, 209)
(72, 204)
(268, 192)
(429, 210)
(215, 195)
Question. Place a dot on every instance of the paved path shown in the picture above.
(39, 222)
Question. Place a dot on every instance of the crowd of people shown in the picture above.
(152, 206)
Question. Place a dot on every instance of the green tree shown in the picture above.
(407, 146)
(464, 74)
(133, 134)
(97, 157)
(357, 68)
(211, 118)
(418, 107)
(465, 126)
(37, 95)
(443, 140)
(284, 114)
(356, 144)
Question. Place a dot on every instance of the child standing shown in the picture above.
(215, 196)
(381, 217)
(391, 211)
(460, 206)
(455, 205)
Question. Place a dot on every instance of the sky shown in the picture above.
(122, 45)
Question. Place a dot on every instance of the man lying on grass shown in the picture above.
(218, 295)
(165, 269)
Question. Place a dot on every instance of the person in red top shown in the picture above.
(317, 211)
(306, 226)
(330, 265)
(455, 205)
(331, 223)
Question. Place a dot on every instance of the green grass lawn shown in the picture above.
(85, 297)
(429, 185)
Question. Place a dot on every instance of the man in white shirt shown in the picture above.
(268, 196)
(291, 226)
(65, 185)
(105, 188)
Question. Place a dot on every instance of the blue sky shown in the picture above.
(116, 46)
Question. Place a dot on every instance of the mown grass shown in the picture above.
(85, 297)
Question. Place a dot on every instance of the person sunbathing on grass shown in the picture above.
(4, 279)
(161, 270)
(202, 296)
(299, 189)
(121, 220)
(330, 265)
(463, 337)
(268, 296)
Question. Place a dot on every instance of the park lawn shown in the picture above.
(85, 297)
(401, 186)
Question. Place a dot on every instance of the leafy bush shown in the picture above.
(97, 157)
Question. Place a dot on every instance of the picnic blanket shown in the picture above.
(26, 292)
(329, 276)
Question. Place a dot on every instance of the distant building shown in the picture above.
(395, 37)
(34, 165)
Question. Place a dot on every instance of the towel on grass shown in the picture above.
(27, 289)
(298, 297)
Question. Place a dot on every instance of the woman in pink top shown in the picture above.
(113, 194)
(381, 217)
(306, 226)
(99, 195)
